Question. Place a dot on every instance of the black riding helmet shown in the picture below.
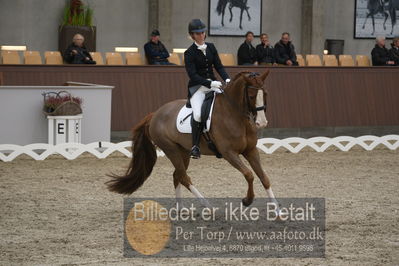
(196, 25)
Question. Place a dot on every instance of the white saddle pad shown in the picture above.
(185, 114)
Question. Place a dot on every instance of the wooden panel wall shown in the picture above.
(298, 97)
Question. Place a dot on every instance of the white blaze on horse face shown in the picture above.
(200, 197)
(261, 121)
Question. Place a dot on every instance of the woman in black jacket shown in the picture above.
(199, 59)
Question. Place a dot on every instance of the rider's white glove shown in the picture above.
(217, 90)
(216, 84)
(227, 81)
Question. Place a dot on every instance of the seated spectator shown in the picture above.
(380, 54)
(265, 51)
(76, 53)
(394, 52)
(284, 51)
(155, 51)
(246, 54)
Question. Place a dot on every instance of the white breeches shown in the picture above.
(196, 102)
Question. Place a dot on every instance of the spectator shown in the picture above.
(394, 52)
(246, 54)
(155, 51)
(76, 53)
(380, 54)
(285, 51)
(265, 51)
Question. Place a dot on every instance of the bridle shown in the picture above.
(250, 111)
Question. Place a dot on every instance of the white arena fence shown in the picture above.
(101, 150)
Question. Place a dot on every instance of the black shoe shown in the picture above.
(195, 152)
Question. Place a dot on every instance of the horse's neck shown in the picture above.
(234, 100)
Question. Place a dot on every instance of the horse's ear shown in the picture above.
(265, 74)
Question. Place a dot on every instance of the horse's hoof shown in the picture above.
(246, 202)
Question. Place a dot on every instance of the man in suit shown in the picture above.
(380, 54)
(155, 51)
(285, 51)
(77, 53)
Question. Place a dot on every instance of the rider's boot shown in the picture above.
(196, 135)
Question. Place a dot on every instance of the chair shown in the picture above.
(10, 57)
(313, 60)
(97, 57)
(134, 59)
(32, 58)
(346, 60)
(300, 59)
(113, 58)
(363, 60)
(227, 59)
(330, 60)
(53, 58)
(175, 59)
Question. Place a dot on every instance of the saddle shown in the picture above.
(185, 118)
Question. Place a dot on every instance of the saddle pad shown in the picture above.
(183, 121)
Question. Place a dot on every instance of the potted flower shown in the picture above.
(61, 103)
(77, 18)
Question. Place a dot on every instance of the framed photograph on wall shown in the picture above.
(376, 18)
(234, 17)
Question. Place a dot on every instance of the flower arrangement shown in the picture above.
(77, 14)
(61, 103)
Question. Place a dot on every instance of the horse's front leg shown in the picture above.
(223, 15)
(253, 158)
(364, 24)
(236, 162)
(242, 11)
(249, 17)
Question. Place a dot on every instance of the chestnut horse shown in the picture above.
(233, 131)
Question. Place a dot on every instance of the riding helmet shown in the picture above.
(196, 25)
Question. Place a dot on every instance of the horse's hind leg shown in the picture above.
(254, 160)
(386, 18)
(236, 162)
(231, 13)
(180, 160)
(372, 19)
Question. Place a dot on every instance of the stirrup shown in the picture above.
(195, 152)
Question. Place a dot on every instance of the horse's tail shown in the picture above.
(142, 163)
(221, 5)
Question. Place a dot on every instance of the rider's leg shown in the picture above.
(196, 103)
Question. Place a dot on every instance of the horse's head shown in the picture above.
(247, 84)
